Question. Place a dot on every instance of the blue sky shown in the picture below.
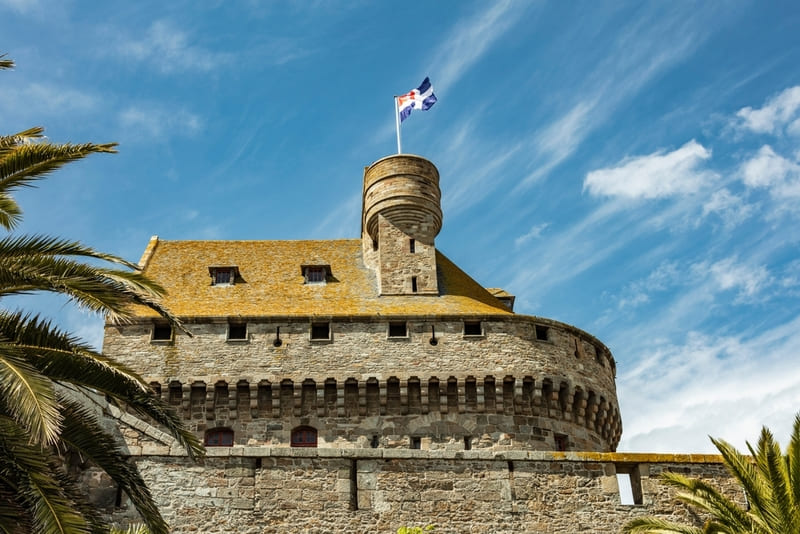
(629, 168)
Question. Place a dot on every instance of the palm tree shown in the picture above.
(771, 483)
(52, 383)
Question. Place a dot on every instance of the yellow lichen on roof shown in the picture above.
(271, 282)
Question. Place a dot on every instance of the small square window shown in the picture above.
(398, 329)
(223, 276)
(473, 328)
(320, 331)
(542, 332)
(237, 332)
(162, 332)
(416, 442)
(315, 275)
(561, 442)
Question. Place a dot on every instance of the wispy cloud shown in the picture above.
(471, 38)
(157, 122)
(732, 209)
(534, 233)
(778, 113)
(47, 98)
(653, 176)
(713, 385)
(169, 49)
(730, 273)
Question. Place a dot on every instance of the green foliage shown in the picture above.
(52, 385)
(771, 483)
(415, 530)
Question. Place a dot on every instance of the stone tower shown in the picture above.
(401, 217)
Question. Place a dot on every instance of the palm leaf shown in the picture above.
(27, 395)
(82, 433)
(63, 358)
(652, 525)
(48, 509)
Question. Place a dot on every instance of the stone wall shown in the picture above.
(263, 489)
(518, 383)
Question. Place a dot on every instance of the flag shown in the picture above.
(420, 98)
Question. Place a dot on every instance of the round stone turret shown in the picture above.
(401, 217)
(404, 189)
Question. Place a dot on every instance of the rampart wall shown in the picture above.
(516, 385)
(251, 490)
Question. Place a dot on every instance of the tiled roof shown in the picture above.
(271, 282)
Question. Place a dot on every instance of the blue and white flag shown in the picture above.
(420, 98)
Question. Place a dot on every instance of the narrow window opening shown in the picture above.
(162, 332)
(118, 497)
(598, 356)
(277, 342)
(373, 443)
(629, 481)
(562, 441)
(320, 331)
(473, 328)
(398, 329)
(375, 244)
(411, 245)
(258, 463)
(542, 332)
(416, 442)
(237, 332)
(467, 443)
(354, 484)
(413, 284)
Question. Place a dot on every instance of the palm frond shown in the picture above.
(39, 245)
(83, 433)
(33, 161)
(65, 359)
(6, 63)
(48, 509)
(10, 212)
(652, 525)
(27, 395)
(793, 463)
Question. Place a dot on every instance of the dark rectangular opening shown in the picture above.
(412, 245)
(416, 442)
(414, 284)
(467, 443)
(562, 441)
(541, 332)
(398, 329)
(237, 331)
(473, 328)
(162, 332)
(320, 331)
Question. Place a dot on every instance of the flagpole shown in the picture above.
(397, 123)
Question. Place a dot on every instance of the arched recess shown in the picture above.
(304, 436)
(218, 437)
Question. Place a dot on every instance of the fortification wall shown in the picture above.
(518, 383)
(262, 489)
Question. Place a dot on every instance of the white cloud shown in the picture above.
(471, 39)
(730, 274)
(730, 208)
(774, 172)
(534, 233)
(170, 49)
(47, 98)
(724, 386)
(653, 176)
(779, 111)
(158, 122)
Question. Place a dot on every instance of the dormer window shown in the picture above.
(316, 274)
(223, 275)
